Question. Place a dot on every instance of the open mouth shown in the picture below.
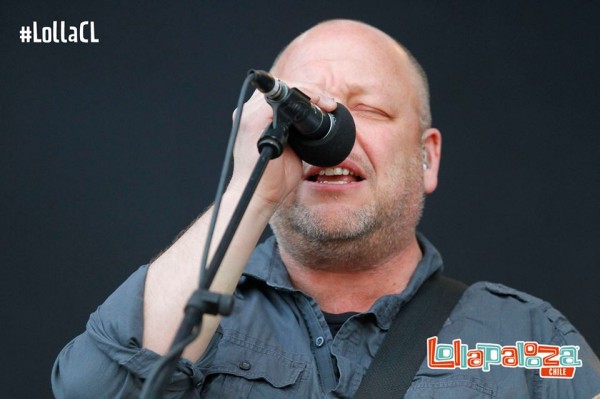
(337, 175)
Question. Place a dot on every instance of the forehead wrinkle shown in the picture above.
(320, 73)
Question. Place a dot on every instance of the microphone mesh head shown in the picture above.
(333, 148)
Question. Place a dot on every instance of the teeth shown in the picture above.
(335, 172)
(333, 182)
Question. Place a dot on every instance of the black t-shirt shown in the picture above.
(335, 320)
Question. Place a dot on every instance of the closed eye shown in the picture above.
(369, 112)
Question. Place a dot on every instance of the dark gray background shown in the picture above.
(109, 150)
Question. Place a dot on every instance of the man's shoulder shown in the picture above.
(491, 315)
(504, 293)
(511, 312)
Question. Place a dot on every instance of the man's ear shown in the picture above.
(431, 150)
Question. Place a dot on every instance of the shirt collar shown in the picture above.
(265, 264)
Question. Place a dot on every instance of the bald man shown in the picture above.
(314, 302)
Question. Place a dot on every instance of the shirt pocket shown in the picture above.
(244, 369)
(451, 387)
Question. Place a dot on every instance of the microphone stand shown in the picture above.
(270, 146)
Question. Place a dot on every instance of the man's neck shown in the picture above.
(338, 290)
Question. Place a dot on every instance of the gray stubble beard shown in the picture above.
(359, 241)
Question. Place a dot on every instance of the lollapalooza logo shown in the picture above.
(552, 361)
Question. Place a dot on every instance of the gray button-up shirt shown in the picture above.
(276, 344)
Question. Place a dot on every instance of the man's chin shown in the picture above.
(336, 226)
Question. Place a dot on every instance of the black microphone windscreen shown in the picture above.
(333, 148)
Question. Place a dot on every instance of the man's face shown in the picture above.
(376, 195)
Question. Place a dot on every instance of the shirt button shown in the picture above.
(245, 365)
(319, 342)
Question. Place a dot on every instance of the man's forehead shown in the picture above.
(356, 58)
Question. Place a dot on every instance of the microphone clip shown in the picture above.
(274, 136)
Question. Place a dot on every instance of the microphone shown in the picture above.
(318, 137)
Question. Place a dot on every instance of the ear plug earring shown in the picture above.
(424, 156)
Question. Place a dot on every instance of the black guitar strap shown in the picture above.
(405, 345)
